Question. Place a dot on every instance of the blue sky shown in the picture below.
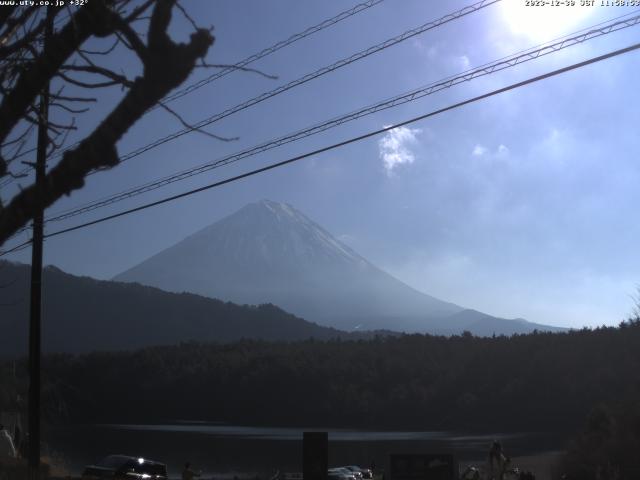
(521, 205)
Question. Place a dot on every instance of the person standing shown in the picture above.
(17, 439)
(497, 461)
(7, 449)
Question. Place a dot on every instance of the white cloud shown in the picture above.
(503, 151)
(556, 143)
(395, 148)
(557, 150)
(431, 50)
(464, 62)
(479, 150)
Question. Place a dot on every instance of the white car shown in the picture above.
(340, 473)
(359, 472)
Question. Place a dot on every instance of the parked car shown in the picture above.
(367, 473)
(123, 467)
(335, 476)
(359, 473)
(340, 473)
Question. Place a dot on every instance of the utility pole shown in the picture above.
(36, 274)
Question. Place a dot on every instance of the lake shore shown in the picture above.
(544, 465)
(225, 451)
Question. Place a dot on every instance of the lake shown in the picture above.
(227, 450)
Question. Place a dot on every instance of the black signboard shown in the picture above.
(315, 453)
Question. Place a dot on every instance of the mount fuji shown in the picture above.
(269, 252)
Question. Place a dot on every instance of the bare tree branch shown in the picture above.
(186, 15)
(131, 40)
(139, 11)
(80, 83)
(237, 67)
(101, 52)
(193, 128)
(68, 109)
(166, 65)
(75, 99)
(27, 39)
(105, 72)
(94, 18)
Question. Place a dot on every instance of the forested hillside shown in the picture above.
(81, 314)
(541, 381)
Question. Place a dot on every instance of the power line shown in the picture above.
(311, 76)
(273, 48)
(340, 144)
(272, 166)
(231, 68)
(300, 81)
(304, 79)
(17, 248)
(486, 69)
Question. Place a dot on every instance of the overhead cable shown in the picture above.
(413, 95)
(236, 66)
(272, 166)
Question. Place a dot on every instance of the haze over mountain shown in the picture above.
(81, 314)
(269, 252)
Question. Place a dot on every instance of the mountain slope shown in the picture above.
(81, 314)
(484, 325)
(270, 252)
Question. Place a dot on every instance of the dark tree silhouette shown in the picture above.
(26, 66)
(635, 311)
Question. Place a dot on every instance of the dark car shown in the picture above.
(340, 473)
(123, 467)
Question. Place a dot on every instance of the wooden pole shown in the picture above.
(36, 277)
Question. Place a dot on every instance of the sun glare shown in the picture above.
(543, 22)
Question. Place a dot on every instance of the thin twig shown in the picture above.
(187, 16)
(82, 84)
(237, 67)
(69, 109)
(193, 128)
(98, 52)
(105, 72)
